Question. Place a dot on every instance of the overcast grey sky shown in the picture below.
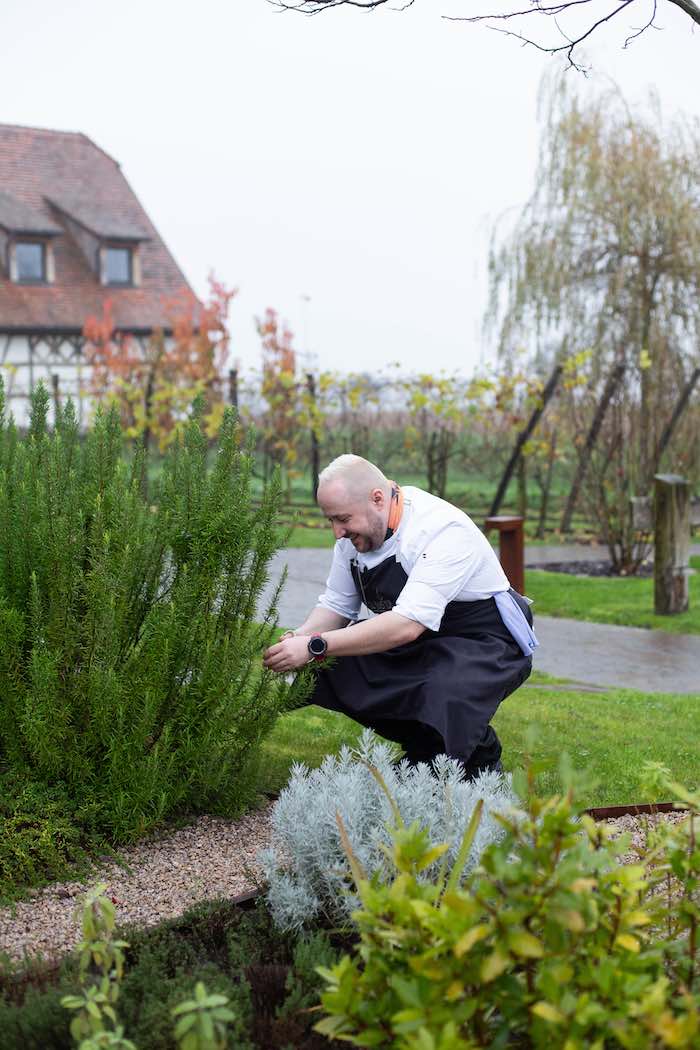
(357, 159)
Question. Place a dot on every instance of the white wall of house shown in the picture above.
(25, 361)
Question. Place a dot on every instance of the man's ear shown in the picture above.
(377, 497)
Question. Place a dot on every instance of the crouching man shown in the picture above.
(447, 639)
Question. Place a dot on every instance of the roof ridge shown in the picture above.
(35, 127)
(59, 131)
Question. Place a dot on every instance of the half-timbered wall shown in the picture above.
(56, 360)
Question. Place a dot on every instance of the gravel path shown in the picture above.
(211, 858)
(637, 828)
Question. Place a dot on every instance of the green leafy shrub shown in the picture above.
(39, 1023)
(165, 963)
(201, 1022)
(551, 942)
(151, 1006)
(109, 1039)
(94, 1007)
(129, 648)
(301, 985)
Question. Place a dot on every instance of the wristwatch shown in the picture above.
(318, 647)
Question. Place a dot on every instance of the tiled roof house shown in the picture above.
(72, 235)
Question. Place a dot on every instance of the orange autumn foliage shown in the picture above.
(155, 380)
(280, 424)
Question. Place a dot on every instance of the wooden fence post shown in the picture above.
(511, 547)
(315, 449)
(671, 543)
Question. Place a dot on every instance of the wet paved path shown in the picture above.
(535, 556)
(591, 653)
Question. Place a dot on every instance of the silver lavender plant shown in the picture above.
(305, 866)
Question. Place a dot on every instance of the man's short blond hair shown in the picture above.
(358, 475)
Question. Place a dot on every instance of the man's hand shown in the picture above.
(288, 654)
(376, 635)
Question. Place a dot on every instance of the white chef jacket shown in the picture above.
(444, 554)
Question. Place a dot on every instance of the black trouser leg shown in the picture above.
(486, 755)
(421, 742)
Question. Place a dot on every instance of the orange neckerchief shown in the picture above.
(395, 511)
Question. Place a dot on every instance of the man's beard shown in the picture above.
(377, 532)
(374, 538)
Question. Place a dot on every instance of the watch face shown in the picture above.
(317, 646)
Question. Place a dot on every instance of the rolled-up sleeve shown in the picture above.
(440, 572)
(341, 595)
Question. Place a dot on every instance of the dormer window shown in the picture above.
(118, 266)
(30, 262)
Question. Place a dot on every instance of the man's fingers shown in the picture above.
(281, 657)
(277, 662)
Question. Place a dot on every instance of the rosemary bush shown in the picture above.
(129, 648)
(306, 866)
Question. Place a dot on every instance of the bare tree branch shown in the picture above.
(568, 47)
(647, 25)
(549, 10)
(536, 8)
(314, 7)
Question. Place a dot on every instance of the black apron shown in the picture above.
(452, 679)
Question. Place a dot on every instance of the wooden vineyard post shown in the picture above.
(511, 547)
(315, 456)
(233, 388)
(671, 543)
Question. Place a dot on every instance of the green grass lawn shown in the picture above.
(305, 537)
(618, 600)
(608, 735)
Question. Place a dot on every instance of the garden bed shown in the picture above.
(269, 979)
(160, 878)
(231, 945)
